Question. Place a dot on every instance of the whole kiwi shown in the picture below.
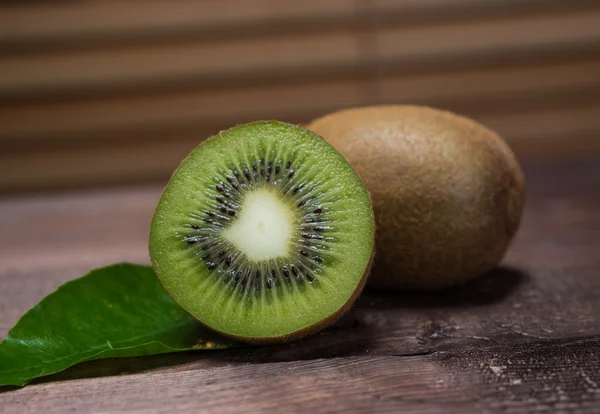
(448, 193)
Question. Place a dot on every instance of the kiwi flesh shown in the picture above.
(264, 233)
(447, 192)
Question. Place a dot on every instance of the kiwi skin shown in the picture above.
(447, 192)
(308, 330)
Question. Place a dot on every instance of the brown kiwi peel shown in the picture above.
(447, 192)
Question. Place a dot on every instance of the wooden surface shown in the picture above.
(524, 338)
(105, 91)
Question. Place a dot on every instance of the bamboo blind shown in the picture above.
(104, 92)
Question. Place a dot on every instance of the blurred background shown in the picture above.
(105, 92)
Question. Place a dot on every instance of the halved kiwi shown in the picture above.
(264, 233)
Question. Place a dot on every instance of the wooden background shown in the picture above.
(119, 91)
(524, 338)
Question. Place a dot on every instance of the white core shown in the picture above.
(264, 227)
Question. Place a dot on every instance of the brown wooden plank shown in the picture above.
(486, 39)
(425, 45)
(23, 125)
(156, 63)
(122, 159)
(488, 85)
(112, 20)
(557, 376)
(74, 21)
(498, 88)
(525, 338)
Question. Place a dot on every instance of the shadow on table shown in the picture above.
(492, 287)
(345, 338)
(125, 366)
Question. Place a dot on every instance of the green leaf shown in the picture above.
(115, 311)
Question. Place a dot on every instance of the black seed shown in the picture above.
(285, 271)
(236, 173)
(235, 186)
(207, 220)
(210, 214)
(295, 190)
(244, 282)
(223, 209)
(237, 276)
(319, 228)
(220, 188)
(274, 273)
(318, 259)
(211, 265)
(303, 253)
(318, 210)
(300, 204)
(294, 270)
(229, 260)
(277, 169)
(269, 283)
(291, 174)
(270, 167)
(247, 175)
(257, 274)
(220, 200)
(255, 176)
(195, 227)
(262, 172)
(310, 277)
(288, 165)
(229, 179)
(231, 213)
(191, 241)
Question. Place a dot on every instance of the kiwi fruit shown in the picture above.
(447, 192)
(264, 233)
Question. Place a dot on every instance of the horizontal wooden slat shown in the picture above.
(151, 64)
(489, 85)
(76, 120)
(23, 125)
(266, 56)
(524, 35)
(106, 20)
(72, 21)
(546, 133)
(563, 132)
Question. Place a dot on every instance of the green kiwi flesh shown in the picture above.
(264, 233)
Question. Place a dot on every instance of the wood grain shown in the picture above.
(121, 158)
(106, 21)
(524, 338)
(103, 92)
(496, 89)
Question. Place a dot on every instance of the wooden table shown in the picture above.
(524, 338)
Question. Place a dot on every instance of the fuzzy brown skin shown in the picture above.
(447, 192)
